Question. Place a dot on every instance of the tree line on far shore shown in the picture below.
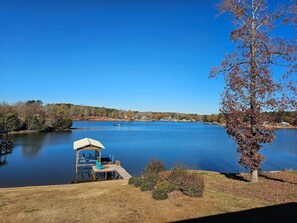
(34, 115)
(31, 115)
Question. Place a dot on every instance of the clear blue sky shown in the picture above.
(144, 55)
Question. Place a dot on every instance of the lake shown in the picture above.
(43, 159)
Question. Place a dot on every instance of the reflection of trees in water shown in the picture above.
(31, 144)
(3, 160)
(56, 138)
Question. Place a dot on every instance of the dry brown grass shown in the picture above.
(115, 201)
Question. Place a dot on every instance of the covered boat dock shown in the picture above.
(82, 160)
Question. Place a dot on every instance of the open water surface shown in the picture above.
(43, 159)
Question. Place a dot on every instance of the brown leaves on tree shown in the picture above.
(251, 88)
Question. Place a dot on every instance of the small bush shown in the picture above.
(166, 186)
(154, 167)
(147, 186)
(132, 180)
(138, 182)
(151, 178)
(177, 175)
(163, 176)
(159, 194)
(193, 185)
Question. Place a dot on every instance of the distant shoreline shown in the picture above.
(276, 127)
(139, 120)
(125, 120)
(22, 132)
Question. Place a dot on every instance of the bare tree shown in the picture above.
(248, 71)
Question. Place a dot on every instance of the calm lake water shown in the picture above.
(43, 159)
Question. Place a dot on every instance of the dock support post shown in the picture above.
(76, 167)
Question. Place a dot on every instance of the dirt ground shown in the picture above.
(116, 201)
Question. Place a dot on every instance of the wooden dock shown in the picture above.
(122, 172)
(119, 170)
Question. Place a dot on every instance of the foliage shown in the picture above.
(60, 123)
(193, 185)
(162, 182)
(166, 186)
(32, 115)
(132, 180)
(35, 122)
(138, 181)
(159, 194)
(177, 176)
(147, 186)
(151, 178)
(142, 183)
(250, 88)
(10, 122)
(163, 176)
(60, 116)
(281, 116)
(154, 167)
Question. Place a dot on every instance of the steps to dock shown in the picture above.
(120, 171)
(123, 173)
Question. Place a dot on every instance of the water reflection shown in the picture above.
(3, 160)
(41, 159)
(31, 144)
(57, 138)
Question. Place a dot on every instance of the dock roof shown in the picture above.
(87, 143)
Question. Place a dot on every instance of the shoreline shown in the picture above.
(23, 132)
(125, 120)
(114, 180)
(276, 127)
(117, 201)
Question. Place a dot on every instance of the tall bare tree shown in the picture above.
(251, 87)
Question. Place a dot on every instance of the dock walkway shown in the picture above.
(120, 171)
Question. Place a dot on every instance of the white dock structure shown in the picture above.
(119, 170)
(123, 173)
(86, 144)
(82, 161)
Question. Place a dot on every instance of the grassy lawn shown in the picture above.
(116, 201)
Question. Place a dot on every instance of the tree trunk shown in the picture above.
(253, 97)
(254, 176)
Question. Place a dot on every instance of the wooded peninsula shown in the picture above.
(35, 115)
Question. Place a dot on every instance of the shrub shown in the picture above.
(132, 180)
(152, 179)
(11, 122)
(35, 122)
(61, 123)
(154, 167)
(166, 186)
(163, 176)
(159, 194)
(138, 182)
(147, 186)
(193, 185)
(177, 175)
